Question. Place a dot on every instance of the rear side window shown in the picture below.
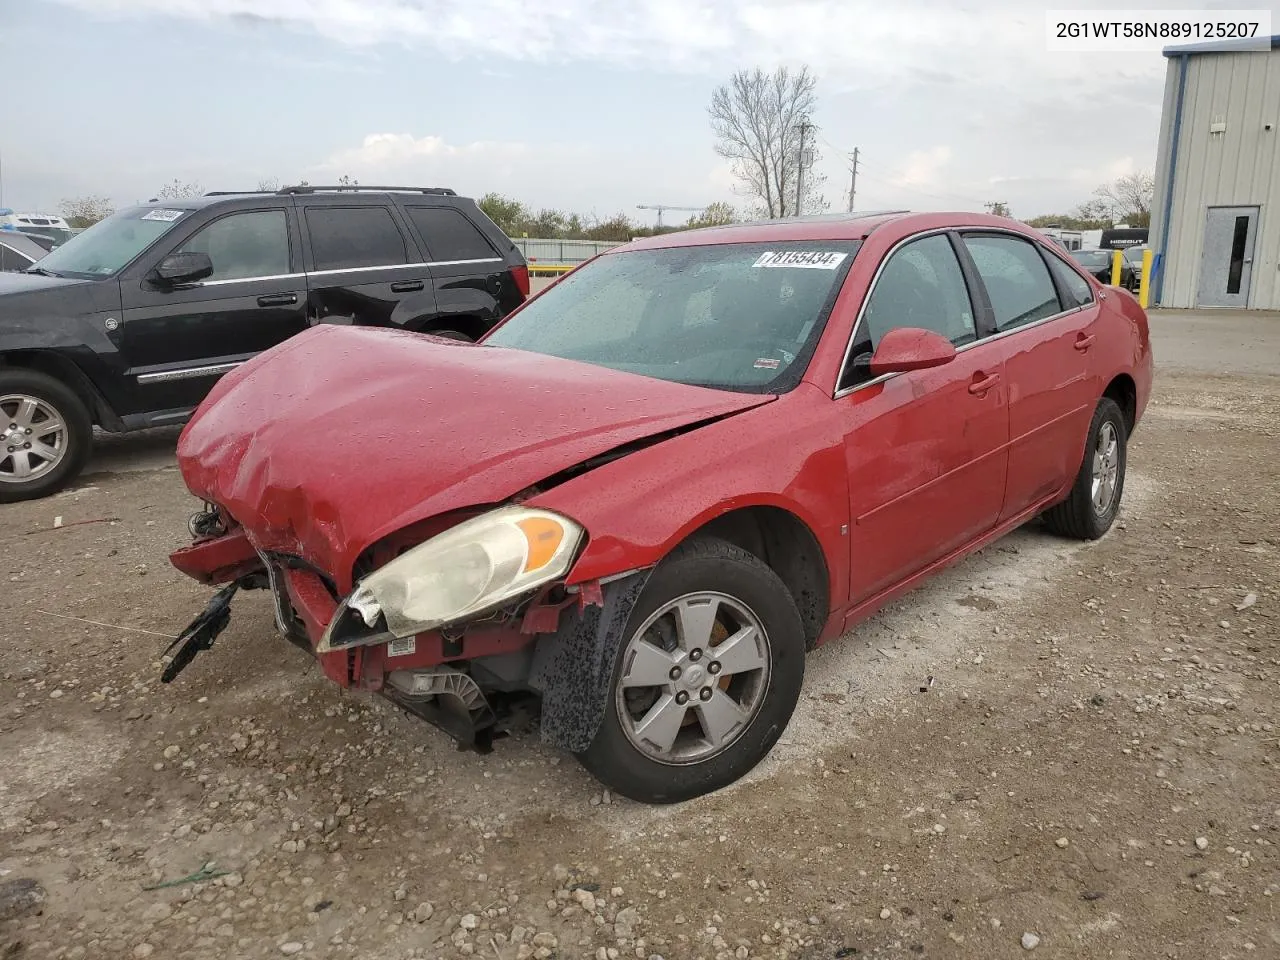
(1076, 285)
(449, 235)
(1016, 279)
(346, 237)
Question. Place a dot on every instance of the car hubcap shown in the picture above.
(33, 438)
(693, 678)
(1106, 468)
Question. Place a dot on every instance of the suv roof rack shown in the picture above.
(340, 187)
(236, 193)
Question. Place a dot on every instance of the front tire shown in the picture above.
(1094, 501)
(706, 678)
(45, 435)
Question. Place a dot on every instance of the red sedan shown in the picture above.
(637, 503)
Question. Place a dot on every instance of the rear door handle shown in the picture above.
(406, 286)
(982, 382)
(278, 300)
(1084, 341)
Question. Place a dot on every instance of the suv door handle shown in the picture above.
(982, 382)
(1084, 341)
(277, 300)
(406, 286)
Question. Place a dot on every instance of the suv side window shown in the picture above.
(347, 237)
(1016, 278)
(244, 245)
(450, 235)
(920, 285)
(1075, 284)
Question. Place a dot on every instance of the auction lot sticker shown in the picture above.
(807, 259)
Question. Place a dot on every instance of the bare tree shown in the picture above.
(269, 183)
(1128, 199)
(177, 190)
(85, 211)
(757, 119)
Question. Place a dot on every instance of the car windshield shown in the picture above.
(743, 317)
(109, 245)
(1092, 258)
(1134, 254)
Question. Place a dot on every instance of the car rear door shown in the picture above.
(178, 340)
(362, 265)
(926, 450)
(1045, 317)
(474, 286)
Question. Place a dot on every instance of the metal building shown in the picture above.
(1215, 219)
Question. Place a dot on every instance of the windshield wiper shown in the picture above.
(42, 271)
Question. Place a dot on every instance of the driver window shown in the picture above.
(244, 245)
(921, 285)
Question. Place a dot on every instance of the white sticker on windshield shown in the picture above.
(806, 259)
(168, 216)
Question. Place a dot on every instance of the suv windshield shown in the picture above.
(109, 245)
(743, 317)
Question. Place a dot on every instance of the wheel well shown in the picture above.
(66, 372)
(788, 546)
(473, 327)
(1125, 393)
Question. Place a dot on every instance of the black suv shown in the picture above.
(129, 324)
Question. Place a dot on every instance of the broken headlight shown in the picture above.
(467, 570)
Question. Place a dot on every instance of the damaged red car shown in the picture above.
(635, 505)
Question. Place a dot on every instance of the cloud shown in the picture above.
(533, 173)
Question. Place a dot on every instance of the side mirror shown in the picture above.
(183, 268)
(911, 348)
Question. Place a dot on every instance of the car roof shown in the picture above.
(840, 226)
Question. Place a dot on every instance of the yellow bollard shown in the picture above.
(1117, 267)
(1144, 285)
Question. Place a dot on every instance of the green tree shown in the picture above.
(1068, 221)
(85, 211)
(618, 229)
(715, 215)
(510, 215)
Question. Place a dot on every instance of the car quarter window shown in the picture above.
(244, 245)
(1017, 280)
(343, 238)
(1076, 285)
(449, 235)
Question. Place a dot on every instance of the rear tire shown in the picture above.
(1094, 501)
(740, 676)
(35, 464)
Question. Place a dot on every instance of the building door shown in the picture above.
(1227, 261)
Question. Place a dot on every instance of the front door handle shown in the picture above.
(982, 382)
(278, 300)
(1084, 341)
(406, 286)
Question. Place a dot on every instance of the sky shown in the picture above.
(593, 106)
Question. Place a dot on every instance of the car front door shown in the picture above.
(1045, 327)
(926, 450)
(177, 340)
(362, 268)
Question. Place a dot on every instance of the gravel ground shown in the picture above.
(1092, 773)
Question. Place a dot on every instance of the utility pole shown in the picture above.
(805, 125)
(853, 179)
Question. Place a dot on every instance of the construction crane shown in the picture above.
(660, 207)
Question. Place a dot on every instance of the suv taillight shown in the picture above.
(521, 276)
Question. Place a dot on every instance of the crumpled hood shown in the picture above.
(340, 436)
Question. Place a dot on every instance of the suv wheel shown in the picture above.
(706, 678)
(45, 435)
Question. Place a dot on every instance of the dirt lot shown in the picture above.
(1094, 772)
